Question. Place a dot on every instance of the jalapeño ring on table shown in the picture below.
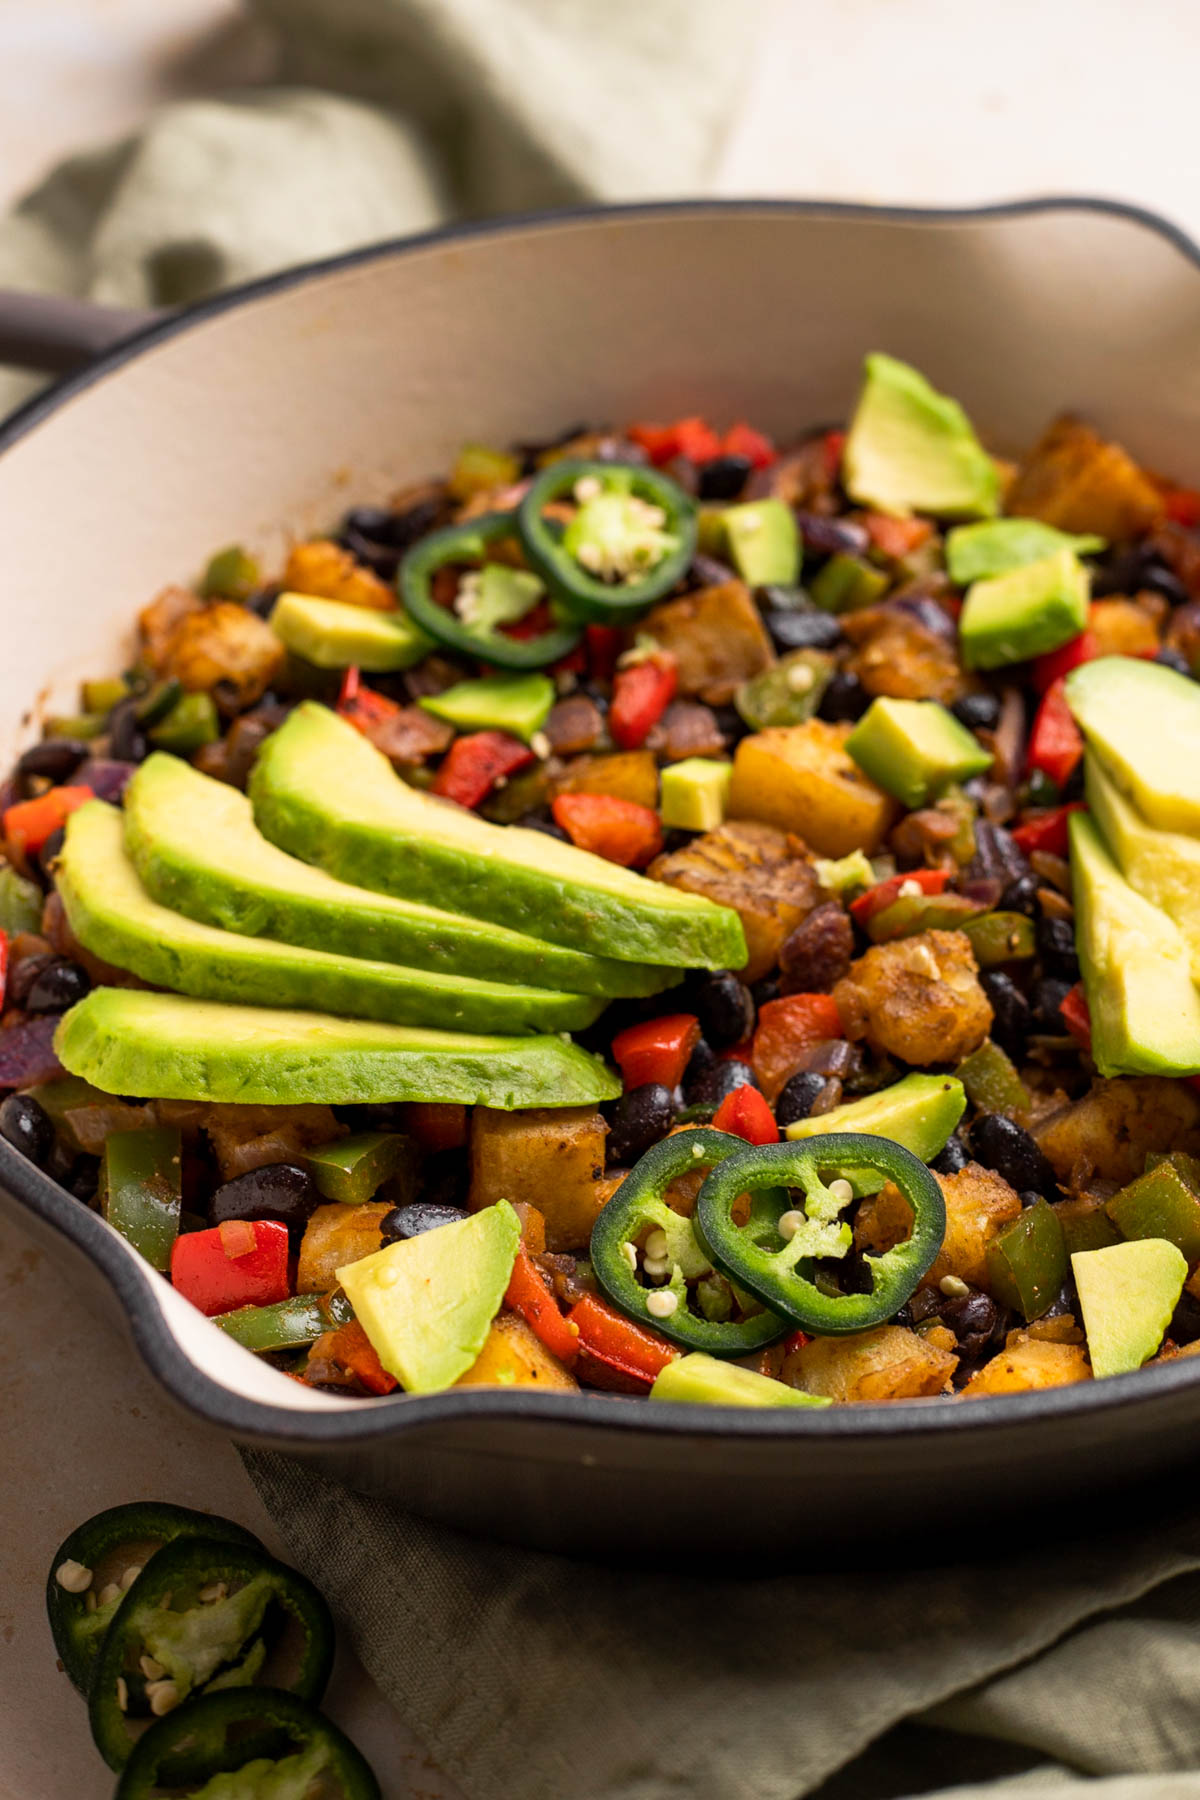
(637, 1204)
(634, 525)
(766, 1259)
(469, 543)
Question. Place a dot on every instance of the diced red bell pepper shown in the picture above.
(3, 967)
(796, 1342)
(361, 706)
(206, 1269)
(692, 438)
(742, 440)
(350, 1347)
(833, 444)
(28, 823)
(621, 831)
(529, 1295)
(930, 881)
(746, 1114)
(534, 623)
(786, 1029)
(437, 1125)
(615, 1353)
(1056, 664)
(656, 1050)
(1076, 1016)
(1047, 830)
(1182, 505)
(475, 763)
(896, 538)
(641, 695)
(603, 648)
(1056, 742)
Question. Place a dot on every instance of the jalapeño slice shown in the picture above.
(630, 540)
(478, 632)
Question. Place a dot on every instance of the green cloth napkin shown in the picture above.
(533, 1678)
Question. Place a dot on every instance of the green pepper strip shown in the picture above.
(209, 1737)
(638, 1205)
(469, 544)
(286, 1324)
(763, 1260)
(120, 1538)
(586, 596)
(202, 1644)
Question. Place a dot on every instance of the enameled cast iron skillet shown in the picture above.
(269, 408)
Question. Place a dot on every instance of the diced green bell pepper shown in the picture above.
(1027, 1261)
(191, 723)
(1000, 937)
(287, 1324)
(81, 726)
(20, 902)
(232, 574)
(846, 584)
(1085, 1224)
(354, 1168)
(102, 695)
(1162, 1203)
(991, 1081)
(787, 694)
(911, 913)
(142, 1185)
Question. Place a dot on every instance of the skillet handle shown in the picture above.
(57, 334)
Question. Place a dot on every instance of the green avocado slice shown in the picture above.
(334, 635)
(1143, 722)
(114, 917)
(1144, 1009)
(197, 849)
(167, 1047)
(910, 448)
(322, 792)
(1164, 866)
(918, 1112)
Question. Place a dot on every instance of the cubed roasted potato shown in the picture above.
(227, 649)
(978, 1203)
(717, 638)
(1077, 480)
(250, 1137)
(1127, 627)
(1108, 1132)
(329, 572)
(334, 1236)
(800, 778)
(158, 622)
(918, 999)
(552, 1157)
(1029, 1362)
(763, 874)
(627, 774)
(898, 656)
(514, 1356)
(888, 1363)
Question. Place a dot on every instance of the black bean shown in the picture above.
(446, 1180)
(126, 740)
(56, 987)
(1174, 659)
(1056, 947)
(1001, 1144)
(798, 1096)
(57, 758)
(708, 571)
(953, 1156)
(47, 853)
(1021, 895)
(765, 990)
(1185, 1320)
(280, 1191)
(418, 1216)
(535, 822)
(83, 1178)
(1048, 997)
(996, 854)
(725, 1008)
(1028, 1197)
(1010, 1024)
(724, 477)
(974, 1319)
(978, 712)
(23, 975)
(844, 699)
(730, 723)
(823, 536)
(723, 1079)
(27, 1127)
(639, 1118)
(1161, 580)
(1123, 570)
(801, 630)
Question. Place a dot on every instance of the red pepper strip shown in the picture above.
(474, 764)
(603, 649)
(745, 1114)
(1077, 1017)
(348, 691)
(28, 823)
(205, 1273)
(1046, 831)
(352, 1349)
(657, 1050)
(896, 538)
(1055, 664)
(930, 881)
(1182, 505)
(796, 1342)
(786, 1029)
(621, 831)
(437, 1125)
(613, 1351)
(692, 438)
(742, 440)
(529, 1295)
(641, 695)
(361, 706)
(1055, 743)
(833, 443)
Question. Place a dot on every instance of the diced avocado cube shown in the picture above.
(914, 748)
(334, 635)
(1027, 1261)
(353, 1168)
(1145, 1012)
(1162, 1203)
(695, 793)
(1085, 1224)
(919, 1112)
(1142, 720)
(1127, 1294)
(764, 542)
(910, 448)
(847, 584)
(993, 546)
(515, 703)
(1025, 612)
(699, 1380)
(427, 1302)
